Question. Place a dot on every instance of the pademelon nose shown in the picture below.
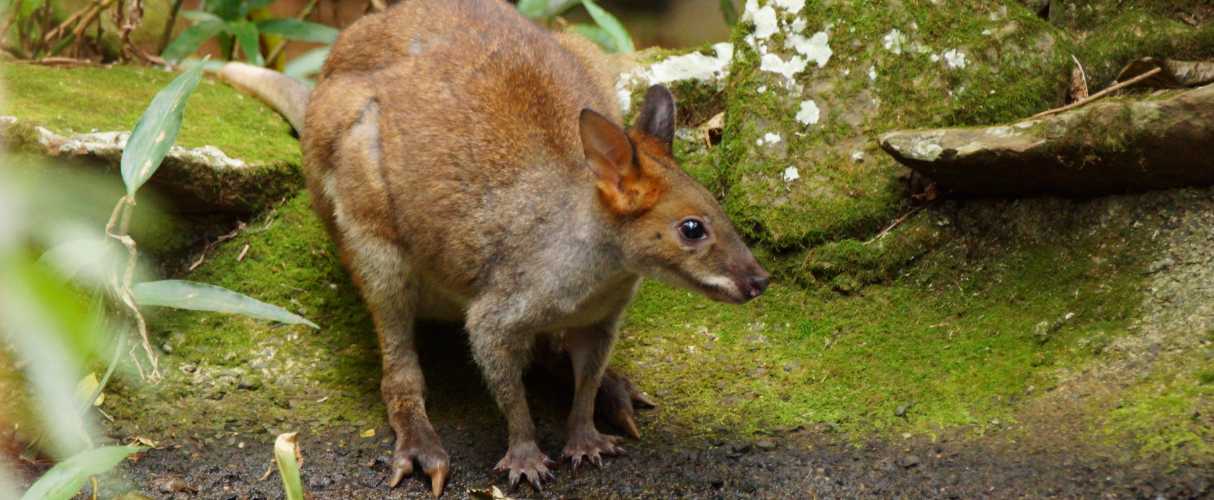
(757, 285)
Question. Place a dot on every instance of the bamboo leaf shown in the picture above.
(199, 16)
(609, 23)
(157, 130)
(64, 480)
(286, 455)
(193, 37)
(203, 297)
(46, 324)
(295, 29)
(307, 64)
(248, 39)
(597, 35)
(729, 11)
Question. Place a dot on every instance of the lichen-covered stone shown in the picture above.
(1113, 146)
(810, 89)
(816, 107)
(233, 154)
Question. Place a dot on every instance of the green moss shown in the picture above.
(88, 99)
(848, 264)
(1166, 416)
(1014, 67)
(328, 376)
(1123, 34)
(953, 338)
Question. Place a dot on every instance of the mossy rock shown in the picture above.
(74, 112)
(794, 183)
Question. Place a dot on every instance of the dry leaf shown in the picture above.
(87, 386)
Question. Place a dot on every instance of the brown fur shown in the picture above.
(469, 166)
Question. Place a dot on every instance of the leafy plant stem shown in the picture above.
(117, 228)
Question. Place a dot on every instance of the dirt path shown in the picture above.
(662, 466)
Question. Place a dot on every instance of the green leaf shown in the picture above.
(157, 130)
(28, 7)
(203, 297)
(249, 41)
(612, 25)
(729, 11)
(295, 29)
(286, 449)
(253, 5)
(228, 10)
(543, 9)
(595, 34)
(64, 480)
(307, 64)
(199, 16)
(533, 9)
(192, 38)
(46, 325)
(88, 261)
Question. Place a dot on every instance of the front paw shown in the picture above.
(526, 461)
(590, 445)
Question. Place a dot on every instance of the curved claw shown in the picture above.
(626, 422)
(617, 402)
(642, 400)
(401, 467)
(438, 478)
(526, 462)
(434, 463)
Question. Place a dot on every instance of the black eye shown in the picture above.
(692, 229)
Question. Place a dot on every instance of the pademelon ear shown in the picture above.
(622, 187)
(608, 150)
(658, 114)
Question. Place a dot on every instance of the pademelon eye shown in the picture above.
(692, 229)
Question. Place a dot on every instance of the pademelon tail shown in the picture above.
(287, 95)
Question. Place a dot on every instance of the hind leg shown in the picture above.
(617, 400)
(353, 202)
(391, 295)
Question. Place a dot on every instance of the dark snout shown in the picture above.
(757, 284)
(752, 281)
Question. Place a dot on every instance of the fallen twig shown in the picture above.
(207, 248)
(1113, 88)
(896, 223)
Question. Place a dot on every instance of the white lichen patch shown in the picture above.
(692, 66)
(925, 150)
(809, 112)
(791, 174)
(776, 64)
(893, 41)
(955, 59)
(815, 48)
(768, 139)
(768, 22)
(793, 6)
(765, 19)
(872, 73)
(798, 25)
(110, 145)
